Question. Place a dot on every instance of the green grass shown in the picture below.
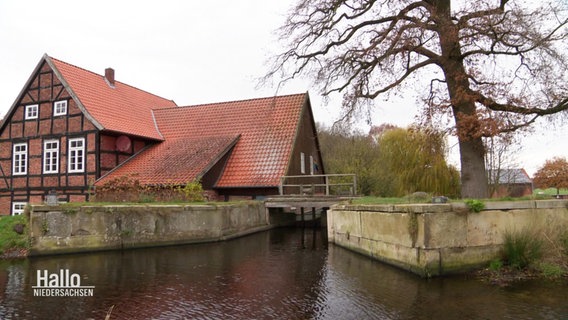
(550, 270)
(403, 200)
(379, 200)
(522, 247)
(8, 237)
(549, 191)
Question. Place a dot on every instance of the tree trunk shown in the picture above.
(473, 175)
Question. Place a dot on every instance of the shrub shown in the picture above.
(192, 191)
(475, 205)
(418, 197)
(521, 248)
(495, 265)
(120, 189)
(129, 189)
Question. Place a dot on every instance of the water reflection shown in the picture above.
(280, 274)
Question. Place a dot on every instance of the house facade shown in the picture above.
(70, 130)
(510, 183)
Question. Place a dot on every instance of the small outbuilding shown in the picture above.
(510, 183)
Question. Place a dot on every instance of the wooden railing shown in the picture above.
(319, 184)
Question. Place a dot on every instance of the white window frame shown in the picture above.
(18, 208)
(60, 108)
(312, 165)
(76, 155)
(32, 111)
(51, 156)
(302, 163)
(20, 159)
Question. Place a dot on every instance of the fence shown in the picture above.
(319, 184)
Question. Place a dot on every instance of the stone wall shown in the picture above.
(66, 229)
(437, 239)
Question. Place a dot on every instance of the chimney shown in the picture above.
(109, 76)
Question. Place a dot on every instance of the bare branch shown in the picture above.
(492, 66)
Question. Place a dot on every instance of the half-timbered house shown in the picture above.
(71, 129)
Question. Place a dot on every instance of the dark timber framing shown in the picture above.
(44, 88)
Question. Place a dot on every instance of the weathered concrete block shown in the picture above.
(444, 230)
(347, 222)
(389, 227)
(509, 205)
(429, 240)
(549, 204)
(56, 230)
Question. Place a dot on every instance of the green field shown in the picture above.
(549, 191)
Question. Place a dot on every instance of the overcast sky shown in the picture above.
(189, 51)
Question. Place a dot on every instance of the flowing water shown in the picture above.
(278, 274)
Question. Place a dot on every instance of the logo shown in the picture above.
(62, 284)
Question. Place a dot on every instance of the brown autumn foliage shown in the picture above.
(553, 174)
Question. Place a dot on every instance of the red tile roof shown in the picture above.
(122, 108)
(174, 161)
(194, 135)
(267, 129)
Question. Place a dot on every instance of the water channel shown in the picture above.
(278, 274)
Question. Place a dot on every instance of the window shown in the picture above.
(51, 156)
(18, 208)
(31, 111)
(60, 108)
(20, 159)
(76, 155)
(302, 163)
(311, 165)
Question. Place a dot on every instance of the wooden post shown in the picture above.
(303, 228)
(314, 216)
(354, 185)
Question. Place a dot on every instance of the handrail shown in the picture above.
(310, 183)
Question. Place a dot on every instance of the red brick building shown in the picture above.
(510, 183)
(71, 129)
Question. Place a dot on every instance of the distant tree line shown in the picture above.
(390, 161)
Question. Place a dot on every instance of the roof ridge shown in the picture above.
(233, 101)
(101, 75)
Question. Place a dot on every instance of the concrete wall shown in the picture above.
(65, 229)
(437, 239)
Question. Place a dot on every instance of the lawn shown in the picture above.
(380, 200)
(549, 191)
(9, 239)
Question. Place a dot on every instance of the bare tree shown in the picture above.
(494, 66)
(501, 160)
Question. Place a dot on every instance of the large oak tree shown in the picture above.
(493, 66)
